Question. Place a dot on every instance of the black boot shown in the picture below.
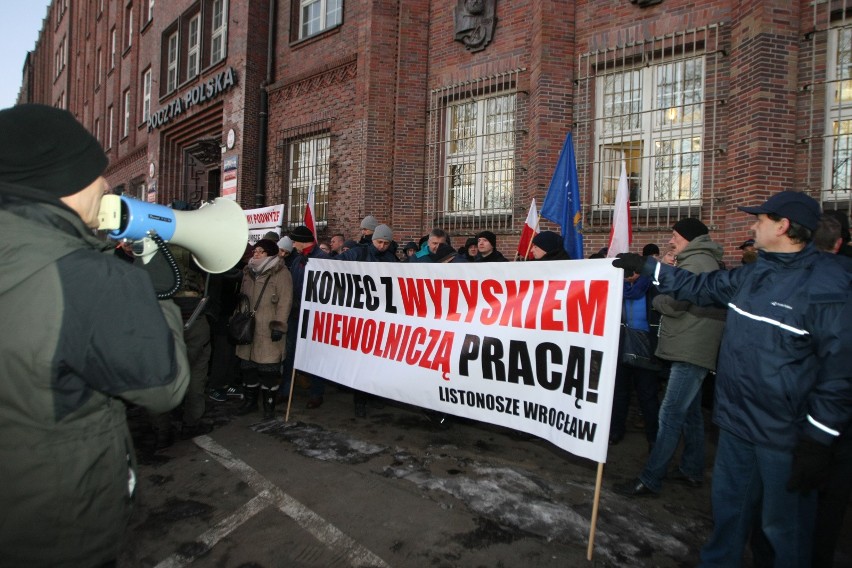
(268, 396)
(249, 404)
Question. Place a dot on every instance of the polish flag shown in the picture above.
(529, 231)
(621, 232)
(309, 213)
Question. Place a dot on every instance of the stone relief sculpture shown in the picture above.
(475, 21)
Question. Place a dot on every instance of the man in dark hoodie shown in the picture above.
(486, 242)
(83, 333)
(548, 245)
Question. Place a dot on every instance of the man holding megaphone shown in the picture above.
(82, 333)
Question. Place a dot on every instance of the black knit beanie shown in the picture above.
(488, 236)
(302, 234)
(650, 250)
(48, 150)
(690, 228)
(548, 241)
(269, 246)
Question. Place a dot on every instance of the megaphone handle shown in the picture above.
(167, 254)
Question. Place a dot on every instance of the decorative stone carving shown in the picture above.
(475, 21)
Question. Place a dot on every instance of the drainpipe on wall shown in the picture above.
(260, 191)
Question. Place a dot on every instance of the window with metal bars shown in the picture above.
(653, 106)
(837, 167)
(825, 81)
(473, 143)
(308, 165)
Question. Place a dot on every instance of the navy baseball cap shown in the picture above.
(793, 205)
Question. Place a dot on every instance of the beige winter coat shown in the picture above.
(271, 314)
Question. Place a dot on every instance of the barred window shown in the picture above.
(652, 105)
(308, 168)
(838, 147)
(654, 117)
(480, 172)
(472, 153)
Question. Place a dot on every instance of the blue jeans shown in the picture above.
(749, 483)
(680, 412)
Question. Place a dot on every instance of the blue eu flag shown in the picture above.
(562, 202)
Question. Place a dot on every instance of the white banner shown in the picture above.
(530, 346)
(263, 220)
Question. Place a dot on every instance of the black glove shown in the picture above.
(811, 468)
(630, 262)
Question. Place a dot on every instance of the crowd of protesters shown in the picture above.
(737, 329)
(770, 334)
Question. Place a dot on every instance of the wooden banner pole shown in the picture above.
(290, 398)
(595, 504)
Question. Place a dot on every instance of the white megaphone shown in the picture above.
(216, 233)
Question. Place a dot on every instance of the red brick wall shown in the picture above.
(369, 81)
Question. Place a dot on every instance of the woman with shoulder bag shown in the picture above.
(267, 290)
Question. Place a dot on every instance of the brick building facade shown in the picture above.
(453, 113)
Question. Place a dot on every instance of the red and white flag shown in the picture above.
(621, 232)
(529, 231)
(309, 213)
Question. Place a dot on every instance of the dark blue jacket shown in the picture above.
(367, 253)
(785, 363)
(297, 271)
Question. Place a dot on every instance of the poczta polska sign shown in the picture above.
(205, 92)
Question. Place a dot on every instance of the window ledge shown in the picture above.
(299, 43)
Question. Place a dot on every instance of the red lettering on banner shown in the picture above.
(452, 287)
(591, 309)
(427, 348)
(413, 296)
(489, 289)
(577, 306)
(551, 304)
(351, 332)
(435, 288)
(412, 356)
(516, 292)
(470, 291)
(530, 322)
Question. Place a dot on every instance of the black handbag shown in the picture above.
(635, 348)
(241, 325)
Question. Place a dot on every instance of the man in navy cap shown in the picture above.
(783, 380)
